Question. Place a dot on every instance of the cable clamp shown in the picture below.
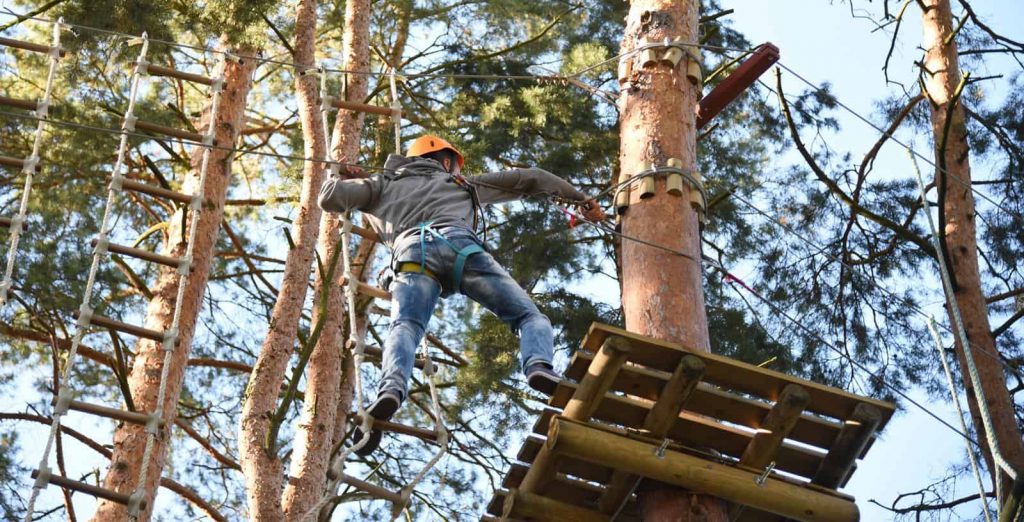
(763, 478)
(129, 123)
(42, 478)
(154, 422)
(184, 265)
(42, 109)
(101, 245)
(84, 316)
(30, 164)
(63, 401)
(135, 501)
(659, 452)
(141, 66)
(170, 337)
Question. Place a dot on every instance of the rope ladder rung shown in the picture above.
(170, 131)
(112, 324)
(158, 192)
(132, 417)
(84, 487)
(8, 161)
(365, 107)
(401, 429)
(29, 46)
(167, 72)
(28, 105)
(5, 222)
(145, 255)
(374, 490)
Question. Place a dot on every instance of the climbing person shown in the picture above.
(426, 212)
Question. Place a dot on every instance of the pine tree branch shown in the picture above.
(835, 189)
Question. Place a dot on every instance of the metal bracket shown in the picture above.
(660, 451)
(763, 478)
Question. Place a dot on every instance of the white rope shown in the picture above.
(396, 112)
(85, 311)
(972, 369)
(184, 270)
(31, 163)
(430, 369)
(960, 417)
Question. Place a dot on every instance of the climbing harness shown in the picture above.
(461, 254)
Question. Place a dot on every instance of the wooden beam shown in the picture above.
(736, 83)
(581, 406)
(777, 425)
(575, 439)
(522, 504)
(856, 433)
(659, 420)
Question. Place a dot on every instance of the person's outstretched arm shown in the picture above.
(341, 195)
(510, 185)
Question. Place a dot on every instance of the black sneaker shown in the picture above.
(383, 408)
(541, 377)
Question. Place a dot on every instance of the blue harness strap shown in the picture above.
(461, 254)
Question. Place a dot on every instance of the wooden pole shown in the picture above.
(662, 296)
(701, 476)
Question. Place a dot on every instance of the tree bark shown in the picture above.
(261, 464)
(130, 439)
(942, 76)
(328, 396)
(662, 293)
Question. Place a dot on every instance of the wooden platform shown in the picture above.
(776, 446)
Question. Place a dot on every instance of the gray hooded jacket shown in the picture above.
(418, 190)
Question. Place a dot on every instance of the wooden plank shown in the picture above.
(536, 507)
(838, 464)
(28, 105)
(696, 474)
(736, 375)
(695, 431)
(736, 83)
(712, 401)
(586, 398)
(660, 418)
(776, 427)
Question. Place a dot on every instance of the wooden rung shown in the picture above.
(369, 290)
(112, 413)
(157, 70)
(365, 233)
(378, 353)
(142, 254)
(5, 222)
(169, 131)
(28, 105)
(536, 507)
(8, 161)
(856, 433)
(374, 490)
(362, 107)
(89, 489)
(401, 429)
(137, 331)
(27, 46)
(159, 192)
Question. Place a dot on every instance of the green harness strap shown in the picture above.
(460, 254)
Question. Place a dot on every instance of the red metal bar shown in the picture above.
(736, 83)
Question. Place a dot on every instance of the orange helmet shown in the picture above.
(429, 143)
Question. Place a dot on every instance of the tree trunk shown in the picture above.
(261, 464)
(942, 76)
(130, 439)
(328, 396)
(662, 293)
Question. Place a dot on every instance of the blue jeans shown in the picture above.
(415, 295)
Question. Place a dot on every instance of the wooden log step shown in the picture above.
(579, 440)
(735, 375)
(142, 254)
(712, 401)
(28, 105)
(112, 413)
(540, 508)
(363, 107)
(169, 131)
(401, 429)
(374, 490)
(157, 70)
(693, 431)
(8, 161)
(154, 191)
(89, 489)
(137, 331)
(28, 46)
